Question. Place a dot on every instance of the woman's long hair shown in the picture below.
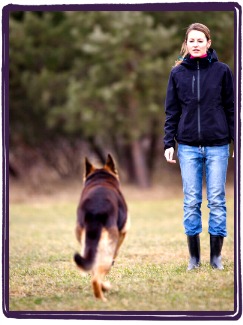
(195, 26)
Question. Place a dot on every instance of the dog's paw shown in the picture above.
(106, 286)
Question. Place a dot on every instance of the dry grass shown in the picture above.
(150, 272)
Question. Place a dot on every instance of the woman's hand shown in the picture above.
(169, 155)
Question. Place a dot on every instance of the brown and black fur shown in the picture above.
(102, 223)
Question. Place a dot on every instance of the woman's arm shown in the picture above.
(173, 113)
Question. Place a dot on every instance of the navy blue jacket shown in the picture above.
(199, 103)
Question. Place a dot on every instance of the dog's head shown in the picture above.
(109, 166)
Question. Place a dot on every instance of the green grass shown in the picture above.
(149, 274)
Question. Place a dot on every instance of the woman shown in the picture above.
(200, 118)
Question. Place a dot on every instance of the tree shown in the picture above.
(114, 94)
(98, 77)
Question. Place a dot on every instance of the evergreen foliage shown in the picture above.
(100, 77)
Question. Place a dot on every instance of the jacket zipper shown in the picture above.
(198, 102)
(193, 84)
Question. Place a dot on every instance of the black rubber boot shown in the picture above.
(216, 244)
(194, 251)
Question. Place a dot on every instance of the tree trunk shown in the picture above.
(141, 171)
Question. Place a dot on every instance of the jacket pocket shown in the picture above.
(187, 128)
(215, 124)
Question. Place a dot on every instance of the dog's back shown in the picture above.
(101, 223)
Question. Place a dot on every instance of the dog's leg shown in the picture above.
(80, 235)
(122, 236)
(98, 284)
(97, 288)
(120, 241)
(105, 285)
(79, 232)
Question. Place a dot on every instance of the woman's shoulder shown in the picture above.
(221, 65)
(178, 68)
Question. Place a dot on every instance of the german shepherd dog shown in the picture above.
(102, 223)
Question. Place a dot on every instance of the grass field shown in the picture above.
(149, 274)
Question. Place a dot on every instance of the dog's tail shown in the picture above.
(92, 237)
(84, 263)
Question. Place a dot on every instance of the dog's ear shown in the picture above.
(110, 164)
(89, 168)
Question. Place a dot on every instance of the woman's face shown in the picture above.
(197, 43)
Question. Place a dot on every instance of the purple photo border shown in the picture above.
(122, 315)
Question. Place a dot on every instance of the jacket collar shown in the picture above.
(192, 63)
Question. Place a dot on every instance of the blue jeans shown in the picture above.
(193, 162)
